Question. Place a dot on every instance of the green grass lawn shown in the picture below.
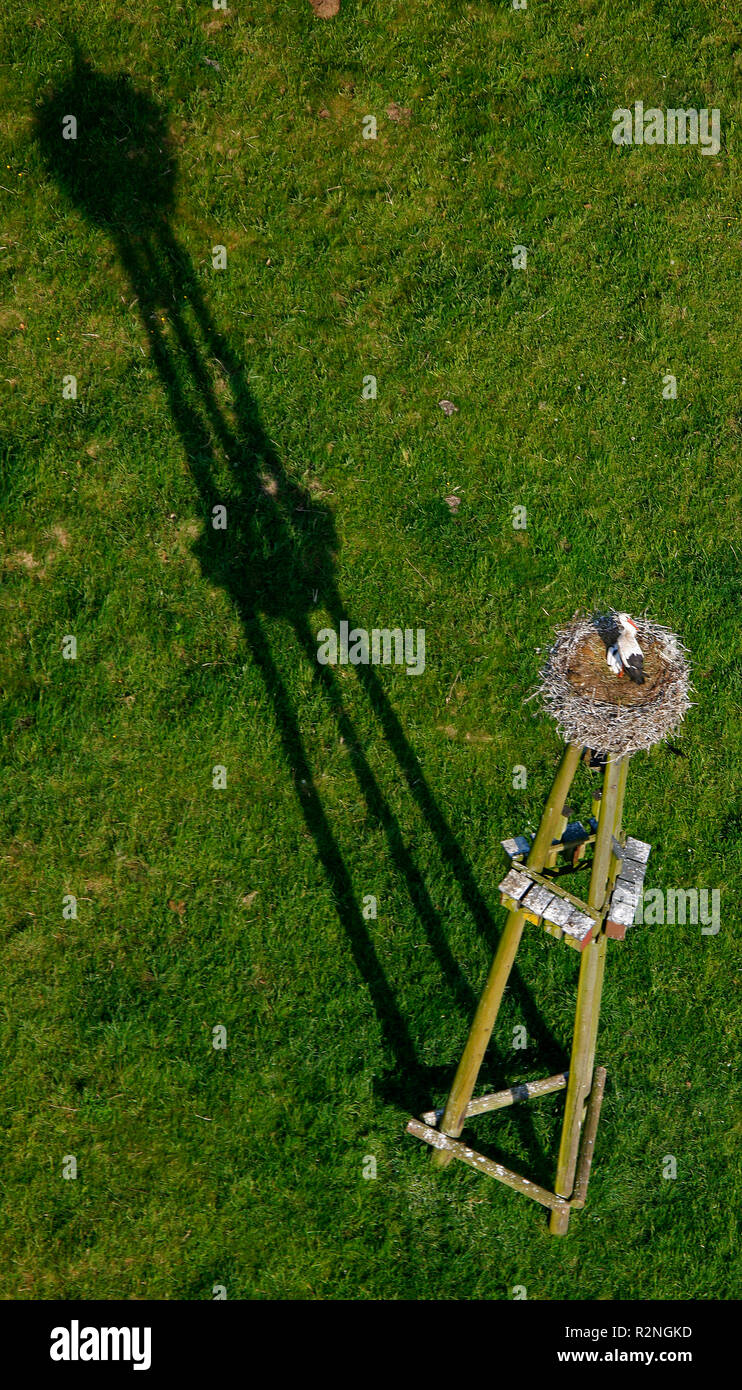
(244, 906)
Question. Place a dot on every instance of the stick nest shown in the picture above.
(607, 713)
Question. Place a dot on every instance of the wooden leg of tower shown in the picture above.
(589, 990)
(484, 1019)
(481, 1031)
(602, 939)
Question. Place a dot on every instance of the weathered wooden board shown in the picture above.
(579, 927)
(515, 884)
(536, 900)
(625, 893)
(498, 1100)
(544, 901)
(632, 871)
(622, 912)
(557, 912)
(557, 888)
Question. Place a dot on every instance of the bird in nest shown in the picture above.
(626, 654)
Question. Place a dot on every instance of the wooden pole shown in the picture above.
(551, 857)
(498, 1100)
(588, 1139)
(528, 1090)
(600, 948)
(442, 1144)
(603, 940)
(587, 1010)
(465, 1080)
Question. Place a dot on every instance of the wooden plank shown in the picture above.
(536, 899)
(515, 884)
(632, 872)
(623, 910)
(625, 893)
(624, 902)
(620, 917)
(627, 889)
(557, 912)
(443, 1144)
(580, 922)
(590, 1131)
(560, 892)
(579, 926)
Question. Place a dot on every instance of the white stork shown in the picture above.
(627, 655)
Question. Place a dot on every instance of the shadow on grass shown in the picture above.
(279, 549)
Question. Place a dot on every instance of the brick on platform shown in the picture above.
(627, 888)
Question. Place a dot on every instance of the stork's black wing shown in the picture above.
(635, 668)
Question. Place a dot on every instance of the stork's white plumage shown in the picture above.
(614, 661)
(630, 652)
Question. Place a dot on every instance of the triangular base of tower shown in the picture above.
(532, 893)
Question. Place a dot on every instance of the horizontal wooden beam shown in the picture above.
(486, 1165)
(498, 1100)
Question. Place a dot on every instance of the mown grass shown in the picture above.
(243, 907)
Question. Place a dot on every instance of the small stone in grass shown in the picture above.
(454, 503)
(448, 407)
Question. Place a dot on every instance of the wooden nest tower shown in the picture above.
(603, 719)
